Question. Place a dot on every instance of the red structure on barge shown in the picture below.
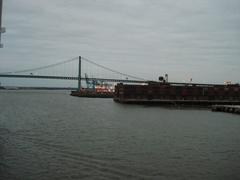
(178, 93)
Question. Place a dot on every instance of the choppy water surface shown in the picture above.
(51, 135)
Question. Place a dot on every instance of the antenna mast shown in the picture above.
(2, 29)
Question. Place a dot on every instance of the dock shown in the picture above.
(226, 108)
(168, 93)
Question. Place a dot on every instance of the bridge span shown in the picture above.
(78, 76)
(71, 78)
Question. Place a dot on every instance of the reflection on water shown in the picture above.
(51, 135)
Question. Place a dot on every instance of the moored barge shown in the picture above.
(92, 94)
(178, 93)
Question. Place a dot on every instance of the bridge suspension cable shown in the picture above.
(42, 67)
(112, 70)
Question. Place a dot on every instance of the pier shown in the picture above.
(178, 94)
(226, 108)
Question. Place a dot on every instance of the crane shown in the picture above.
(90, 83)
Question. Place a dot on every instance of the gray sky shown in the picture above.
(197, 39)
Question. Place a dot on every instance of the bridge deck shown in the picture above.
(70, 78)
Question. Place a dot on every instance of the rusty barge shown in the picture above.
(92, 94)
(167, 93)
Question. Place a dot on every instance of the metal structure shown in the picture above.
(72, 78)
(79, 73)
(2, 29)
(89, 81)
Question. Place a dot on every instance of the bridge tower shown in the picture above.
(79, 73)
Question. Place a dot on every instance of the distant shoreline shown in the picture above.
(35, 88)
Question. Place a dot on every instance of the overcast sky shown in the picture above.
(197, 39)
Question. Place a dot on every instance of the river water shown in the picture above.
(51, 135)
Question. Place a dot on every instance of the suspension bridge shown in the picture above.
(80, 69)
